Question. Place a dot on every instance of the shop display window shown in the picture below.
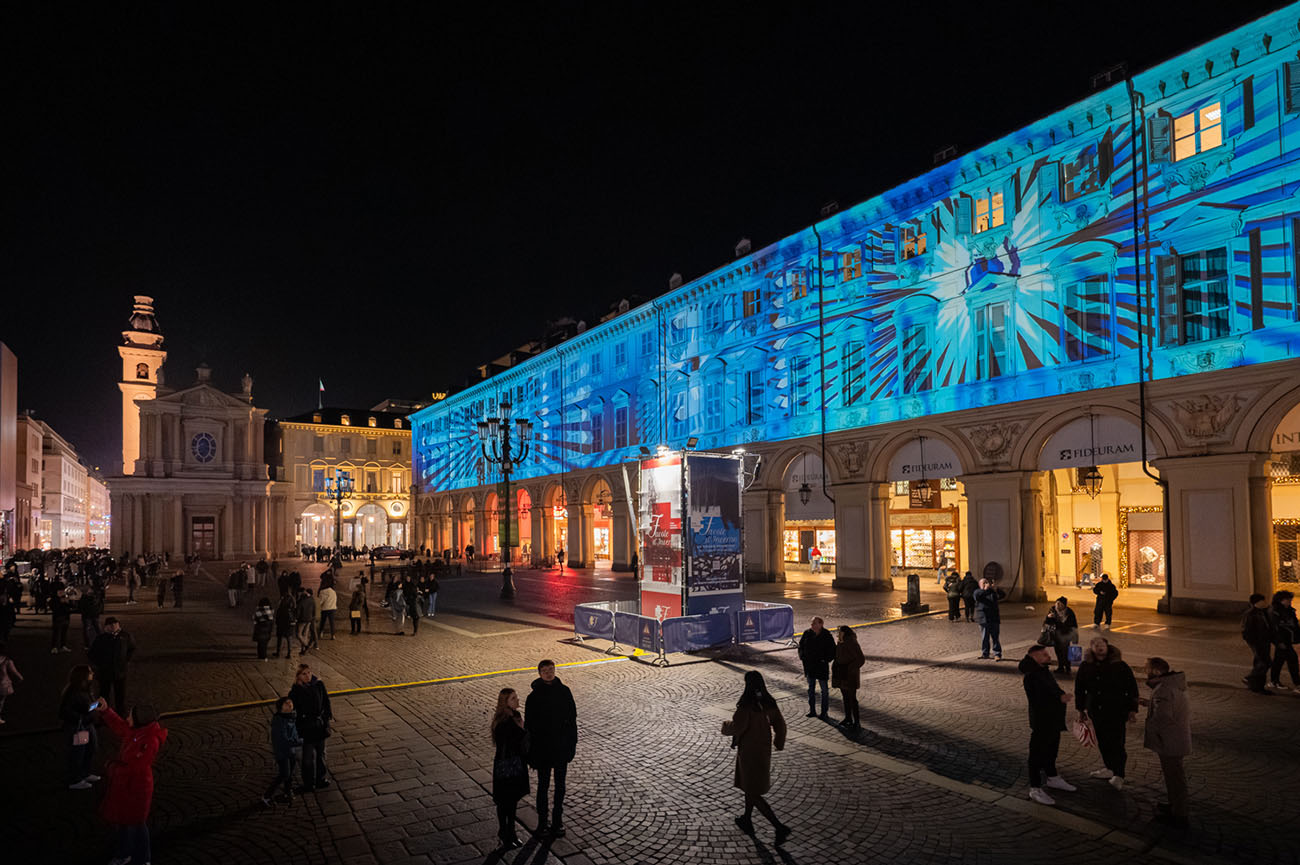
(1146, 558)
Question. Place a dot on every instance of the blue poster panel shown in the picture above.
(714, 578)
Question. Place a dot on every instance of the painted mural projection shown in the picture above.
(714, 581)
(661, 537)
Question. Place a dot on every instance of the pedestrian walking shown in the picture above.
(816, 651)
(1168, 734)
(969, 585)
(60, 619)
(250, 577)
(815, 559)
(1106, 594)
(234, 584)
(509, 770)
(952, 589)
(1257, 631)
(285, 616)
(1060, 631)
(355, 606)
(312, 702)
(263, 626)
(1047, 702)
(754, 728)
(1105, 693)
(433, 594)
(551, 719)
(397, 607)
(286, 747)
(845, 675)
(9, 676)
(1286, 633)
(989, 617)
(328, 601)
(110, 655)
(132, 581)
(411, 593)
(129, 797)
(306, 622)
(77, 715)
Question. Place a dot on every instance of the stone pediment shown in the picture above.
(204, 396)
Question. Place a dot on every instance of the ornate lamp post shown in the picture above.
(494, 438)
(336, 490)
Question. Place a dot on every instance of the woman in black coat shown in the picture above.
(509, 769)
(1062, 627)
(1106, 693)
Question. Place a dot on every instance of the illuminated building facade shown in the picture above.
(1074, 349)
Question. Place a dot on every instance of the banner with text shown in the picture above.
(660, 521)
(714, 582)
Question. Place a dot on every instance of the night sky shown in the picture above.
(386, 195)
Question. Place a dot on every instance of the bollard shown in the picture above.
(913, 605)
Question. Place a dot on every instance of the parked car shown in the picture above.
(387, 552)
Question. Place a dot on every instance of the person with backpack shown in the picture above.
(312, 702)
(286, 747)
(1106, 594)
(755, 728)
(9, 675)
(1257, 631)
(952, 589)
(1286, 633)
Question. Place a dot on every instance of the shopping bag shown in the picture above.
(1076, 654)
(1084, 733)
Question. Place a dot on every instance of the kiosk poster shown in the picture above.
(714, 582)
(661, 536)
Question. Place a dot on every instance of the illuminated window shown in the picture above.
(315, 418)
(915, 367)
(991, 341)
(797, 280)
(1194, 297)
(913, 241)
(751, 302)
(800, 385)
(754, 396)
(851, 372)
(1087, 330)
(371, 421)
(850, 265)
(1198, 131)
(346, 420)
(988, 212)
(397, 423)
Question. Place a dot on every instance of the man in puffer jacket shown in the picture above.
(1169, 735)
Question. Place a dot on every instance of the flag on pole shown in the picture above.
(319, 398)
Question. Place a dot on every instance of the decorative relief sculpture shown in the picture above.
(852, 456)
(993, 441)
(1206, 416)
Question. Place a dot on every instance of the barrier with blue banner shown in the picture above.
(763, 621)
(641, 632)
(689, 633)
(596, 619)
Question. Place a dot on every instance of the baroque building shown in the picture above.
(1074, 349)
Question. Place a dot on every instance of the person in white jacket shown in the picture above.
(328, 601)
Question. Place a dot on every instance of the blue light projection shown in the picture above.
(1004, 275)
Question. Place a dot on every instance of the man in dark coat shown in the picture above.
(968, 587)
(1257, 631)
(109, 655)
(1046, 721)
(551, 719)
(312, 703)
(989, 618)
(1286, 633)
(816, 651)
(1106, 594)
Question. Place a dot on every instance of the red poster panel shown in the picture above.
(661, 605)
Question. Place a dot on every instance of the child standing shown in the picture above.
(286, 745)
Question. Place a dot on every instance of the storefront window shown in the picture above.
(1146, 556)
(1286, 542)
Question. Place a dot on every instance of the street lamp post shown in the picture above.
(494, 438)
(336, 490)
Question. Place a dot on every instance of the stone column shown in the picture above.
(879, 550)
(260, 518)
(137, 525)
(1031, 537)
(580, 546)
(178, 528)
(1219, 549)
(227, 539)
(536, 527)
(764, 519)
(115, 542)
(854, 540)
(620, 536)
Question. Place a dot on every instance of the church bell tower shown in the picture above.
(142, 359)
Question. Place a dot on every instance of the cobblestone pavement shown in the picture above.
(937, 774)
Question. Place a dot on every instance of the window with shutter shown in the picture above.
(1291, 83)
(1160, 137)
(1248, 103)
(1049, 181)
(963, 214)
(1198, 131)
(912, 239)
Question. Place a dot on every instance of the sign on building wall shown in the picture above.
(714, 581)
(924, 457)
(1094, 441)
(1287, 435)
(661, 536)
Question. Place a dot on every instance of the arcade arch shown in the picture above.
(1284, 501)
(316, 526)
(808, 526)
(926, 512)
(371, 524)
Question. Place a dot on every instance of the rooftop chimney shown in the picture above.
(674, 281)
(743, 247)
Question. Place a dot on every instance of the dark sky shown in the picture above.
(386, 195)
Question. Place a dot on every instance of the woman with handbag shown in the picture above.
(754, 729)
(1060, 630)
(509, 771)
(845, 674)
(129, 798)
(76, 711)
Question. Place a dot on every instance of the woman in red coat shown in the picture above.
(130, 781)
